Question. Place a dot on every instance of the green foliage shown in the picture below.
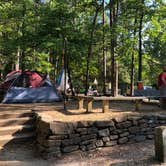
(39, 30)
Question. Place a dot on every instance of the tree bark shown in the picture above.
(132, 62)
(140, 45)
(113, 20)
(22, 58)
(17, 65)
(90, 49)
(104, 56)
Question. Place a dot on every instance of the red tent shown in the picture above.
(22, 78)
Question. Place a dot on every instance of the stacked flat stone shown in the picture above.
(55, 138)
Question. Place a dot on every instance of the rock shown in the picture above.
(112, 129)
(73, 135)
(140, 138)
(120, 119)
(50, 143)
(61, 127)
(111, 143)
(148, 117)
(68, 149)
(123, 125)
(53, 149)
(124, 134)
(162, 122)
(131, 136)
(114, 137)
(99, 143)
(135, 123)
(82, 124)
(106, 139)
(141, 121)
(92, 130)
(134, 129)
(104, 124)
(90, 147)
(143, 125)
(83, 147)
(153, 125)
(72, 141)
(104, 133)
(58, 137)
(86, 142)
(123, 140)
(88, 137)
(80, 130)
(150, 136)
(162, 117)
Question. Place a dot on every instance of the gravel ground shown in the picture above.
(136, 154)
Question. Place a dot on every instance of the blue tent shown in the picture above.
(17, 93)
(60, 82)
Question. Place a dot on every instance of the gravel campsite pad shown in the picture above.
(139, 154)
(136, 154)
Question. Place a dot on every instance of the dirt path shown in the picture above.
(137, 154)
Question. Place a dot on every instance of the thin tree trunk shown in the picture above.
(69, 72)
(90, 50)
(132, 76)
(17, 65)
(140, 46)
(22, 58)
(132, 63)
(113, 20)
(116, 78)
(104, 57)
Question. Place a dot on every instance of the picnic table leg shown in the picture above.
(89, 105)
(105, 107)
(137, 104)
(80, 103)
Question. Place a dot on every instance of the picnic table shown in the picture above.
(106, 101)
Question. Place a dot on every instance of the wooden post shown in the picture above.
(162, 101)
(80, 103)
(105, 107)
(138, 104)
(89, 104)
(160, 143)
(116, 79)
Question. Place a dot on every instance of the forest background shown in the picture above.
(95, 37)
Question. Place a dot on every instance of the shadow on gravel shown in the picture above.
(145, 162)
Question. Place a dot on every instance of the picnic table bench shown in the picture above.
(105, 101)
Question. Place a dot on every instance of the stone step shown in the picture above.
(19, 138)
(7, 115)
(16, 129)
(16, 121)
(12, 110)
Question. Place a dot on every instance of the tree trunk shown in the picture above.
(113, 20)
(116, 78)
(132, 62)
(132, 76)
(140, 46)
(90, 50)
(104, 56)
(17, 65)
(22, 58)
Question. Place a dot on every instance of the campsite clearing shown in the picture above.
(116, 156)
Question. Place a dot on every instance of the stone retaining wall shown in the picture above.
(55, 138)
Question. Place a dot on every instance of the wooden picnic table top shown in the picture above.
(114, 98)
(119, 98)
